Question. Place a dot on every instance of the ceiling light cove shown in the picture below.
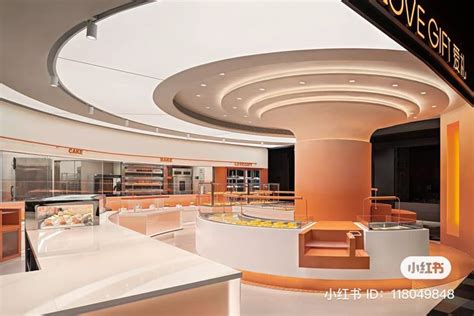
(284, 77)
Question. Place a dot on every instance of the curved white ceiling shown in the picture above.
(137, 49)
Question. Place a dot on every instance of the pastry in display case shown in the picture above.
(60, 215)
(64, 211)
(239, 219)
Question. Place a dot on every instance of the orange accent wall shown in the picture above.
(457, 226)
(333, 177)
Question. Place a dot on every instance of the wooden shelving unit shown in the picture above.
(10, 232)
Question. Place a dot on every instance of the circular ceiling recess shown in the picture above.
(280, 93)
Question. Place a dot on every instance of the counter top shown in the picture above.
(152, 211)
(88, 268)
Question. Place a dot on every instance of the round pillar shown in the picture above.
(333, 176)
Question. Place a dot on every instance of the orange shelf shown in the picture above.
(9, 228)
(10, 231)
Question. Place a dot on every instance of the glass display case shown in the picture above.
(63, 211)
(242, 220)
(221, 194)
(64, 214)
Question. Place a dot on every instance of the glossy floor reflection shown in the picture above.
(260, 301)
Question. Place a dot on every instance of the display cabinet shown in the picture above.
(142, 179)
(242, 220)
(64, 211)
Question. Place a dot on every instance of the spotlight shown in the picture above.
(157, 130)
(91, 110)
(91, 32)
(54, 81)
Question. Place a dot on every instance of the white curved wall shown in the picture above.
(22, 123)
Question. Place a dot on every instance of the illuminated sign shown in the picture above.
(432, 30)
(76, 151)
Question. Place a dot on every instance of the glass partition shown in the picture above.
(28, 176)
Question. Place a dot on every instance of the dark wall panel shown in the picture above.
(281, 167)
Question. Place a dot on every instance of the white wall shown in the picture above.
(22, 123)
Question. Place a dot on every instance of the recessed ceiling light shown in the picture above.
(423, 92)
(302, 82)
(261, 89)
(127, 122)
(225, 115)
(203, 85)
(394, 84)
(246, 116)
(208, 107)
(250, 122)
(234, 107)
(239, 98)
(415, 117)
(198, 95)
(188, 135)
(91, 110)
(222, 74)
(223, 140)
(434, 106)
(157, 130)
(262, 143)
(352, 81)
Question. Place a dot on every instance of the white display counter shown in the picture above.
(274, 251)
(85, 269)
(151, 222)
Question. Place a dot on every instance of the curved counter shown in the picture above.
(90, 268)
(266, 254)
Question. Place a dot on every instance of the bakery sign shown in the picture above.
(76, 151)
(434, 31)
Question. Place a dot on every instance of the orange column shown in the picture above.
(333, 176)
